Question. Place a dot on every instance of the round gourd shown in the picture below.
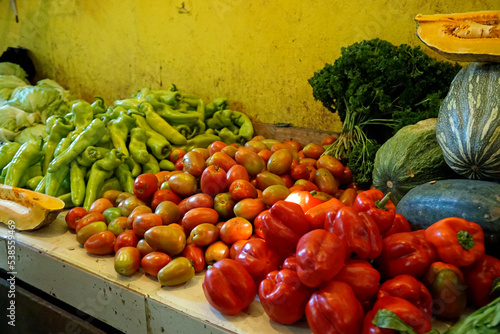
(468, 126)
(465, 37)
(409, 158)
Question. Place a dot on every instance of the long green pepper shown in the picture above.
(78, 184)
(7, 152)
(124, 175)
(60, 129)
(100, 171)
(27, 155)
(91, 135)
(158, 124)
(158, 145)
(119, 129)
(54, 180)
(137, 145)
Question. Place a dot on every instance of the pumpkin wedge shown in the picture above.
(28, 210)
(463, 37)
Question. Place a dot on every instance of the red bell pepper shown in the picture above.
(283, 226)
(320, 256)
(228, 287)
(405, 253)
(258, 259)
(290, 263)
(483, 280)
(334, 309)
(317, 214)
(457, 241)
(410, 289)
(304, 198)
(358, 232)
(363, 279)
(400, 224)
(283, 296)
(378, 206)
(399, 310)
(446, 284)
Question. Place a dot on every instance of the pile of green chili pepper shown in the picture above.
(96, 147)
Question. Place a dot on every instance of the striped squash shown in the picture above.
(468, 127)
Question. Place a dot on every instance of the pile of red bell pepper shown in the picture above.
(356, 268)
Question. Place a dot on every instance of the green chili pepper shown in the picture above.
(246, 130)
(200, 141)
(82, 115)
(156, 143)
(228, 136)
(220, 103)
(141, 94)
(66, 198)
(166, 164)
(119, 129)
(100, 171)
(55, 179)
(124, 175)
(134, 166)
(32, 171)
(88, 137)
(98, 106)
(110, 184)
(77, 179)
(7, 152)
(33, 182)
(137, 146)
(90, 155)
(27, 155)
(59, 130)
(161, 126)
(131, 103)
(40, 187)
(151, 166)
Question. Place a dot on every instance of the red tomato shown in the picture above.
(193, 163)
(100, 205)
(213, 180)
(328, 140)
(333, 165)
(176, 154)
(303, 198)
(222, 160)
(137, 211)
(216, 146)
(124, 239)
(252, 162)
(169, 212)
(197, 256)
(183, 184)
(164, 195)
(258, 259)
(144, 222)
(74, 215)
(313, 150)
(265, 155)
(257, 224)
(129, 204)
(249, 208)
(199, 216)
(90, 217)
(144, 248)
(127, 260)
(100, 243)
(293, 145)
(154, 261)
(240, 189)
(200, 200)
(145, 186)
(237, 172)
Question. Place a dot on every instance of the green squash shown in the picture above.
(468, 127)
(410, 158)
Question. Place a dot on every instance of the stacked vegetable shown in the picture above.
(85, 149)
(285, 222)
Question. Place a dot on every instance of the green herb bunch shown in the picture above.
(377, 88)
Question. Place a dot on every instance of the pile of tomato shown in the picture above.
(285, 222)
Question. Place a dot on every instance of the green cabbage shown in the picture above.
(15, 119)
(35, 132)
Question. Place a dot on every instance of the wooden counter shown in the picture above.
(51, 260)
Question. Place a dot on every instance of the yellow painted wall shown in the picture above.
(258, 53)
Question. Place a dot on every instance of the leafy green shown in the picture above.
(388, 319)
(379, 88)
(8, 68)
(35, 132)
(8, 83)
(485, 320)
(15, 119)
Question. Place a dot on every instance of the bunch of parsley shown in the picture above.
(377, 88)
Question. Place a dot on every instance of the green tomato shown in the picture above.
(112, 213)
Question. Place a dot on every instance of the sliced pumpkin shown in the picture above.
(463, 37)
(27, 210)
